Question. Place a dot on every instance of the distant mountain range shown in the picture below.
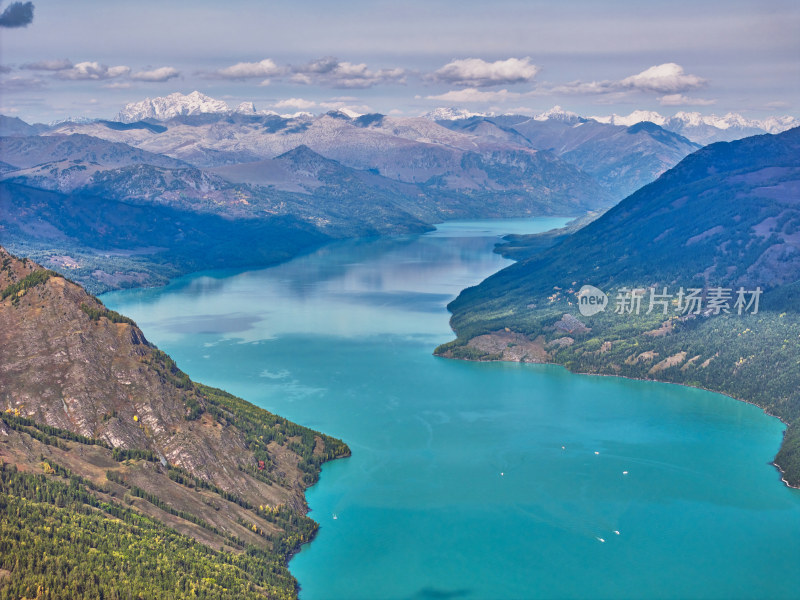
(620, 158)
(725, 219)
(443, 154)
(699, 128)
(197, 163)
(706, 129)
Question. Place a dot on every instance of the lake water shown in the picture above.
(480, 480)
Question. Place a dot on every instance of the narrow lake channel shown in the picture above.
(480, 480)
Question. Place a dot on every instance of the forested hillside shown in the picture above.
(721, 225)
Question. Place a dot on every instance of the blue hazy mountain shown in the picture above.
(622, 159)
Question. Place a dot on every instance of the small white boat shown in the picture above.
(617, 532)
(335, 516)
(601, 540)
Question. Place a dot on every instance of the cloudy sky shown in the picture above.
(88, 58)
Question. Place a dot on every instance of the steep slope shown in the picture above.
(726, 217)
(86, 394)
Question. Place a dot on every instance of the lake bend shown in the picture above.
(480, 480)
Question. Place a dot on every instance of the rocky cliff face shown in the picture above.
(98, 378)
(69, 363)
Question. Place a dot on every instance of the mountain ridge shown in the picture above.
(700, 128)
(206, 160)
(725, 217)
(87, 399)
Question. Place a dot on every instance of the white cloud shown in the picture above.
(298, 103)
(667, 78)
(681, 100)
(332, 72)
(584, 87)
(48, 65)
(93, 71)
(160, 74)
(476, 72)
(472, 95)
(300, 78)
(117, 71)
(117, 85)
(245, 70)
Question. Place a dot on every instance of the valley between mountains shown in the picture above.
(174, 180)
(189, 488)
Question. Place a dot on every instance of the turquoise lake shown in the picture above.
(480, 480)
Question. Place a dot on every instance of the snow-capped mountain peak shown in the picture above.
(557, 114)
(735, 120)
(636, 116)
(705, 129)
(695, 119)
(246, 108)
(451, 114)
(174, 105)
(78, 120)
(691, 119)
(779, 124)
(350, 112)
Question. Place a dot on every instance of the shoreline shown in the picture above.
(297, 549)
(783, 479)
(696, 387)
